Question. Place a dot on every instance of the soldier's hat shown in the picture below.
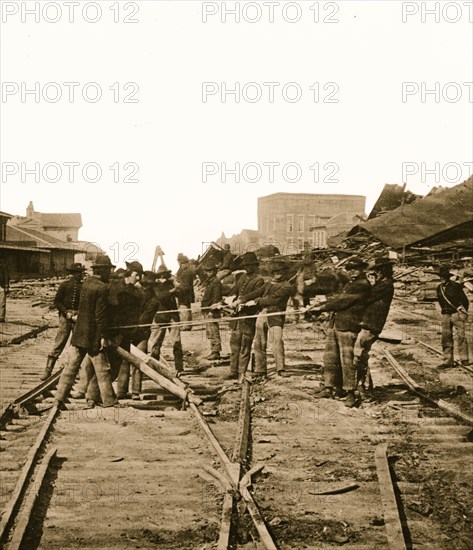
(379, 262)
(355, 263)
(249, 259)
(76, 268)
(444, 272)
(134, 266)
(278, 266)
(148, 278)
(162, 271)
(102, 261)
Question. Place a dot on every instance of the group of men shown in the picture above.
(133, 306)
(109, 310)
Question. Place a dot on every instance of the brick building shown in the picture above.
(296, 221)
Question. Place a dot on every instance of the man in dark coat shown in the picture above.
(210, 300)
(166, 318)
(249, 287)
(454, 305)
(66, 302)
(380, 276)
(4, 288)
(149, 306)
(185, 276)
(347, 308)
(275, 296)
(89, 335)
(125, 306)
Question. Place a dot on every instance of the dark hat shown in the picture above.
(182, 258)
(249, 259)
(102, 261)
(278, 266)
(379, 262)
(444, 272)
(76, 268)
(162, 270)
(355, 263)
(148, 278)
(134, 266)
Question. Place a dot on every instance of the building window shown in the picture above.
(267, 225)
(300, 225)
(311, 221)
(290, 223)
(300, 244)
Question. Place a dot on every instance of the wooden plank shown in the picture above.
(158, 378)
(241, 446)
(45, 386)
(17, 494)
(159, 366)
(392, 520)
(401, 371)
(25, 516)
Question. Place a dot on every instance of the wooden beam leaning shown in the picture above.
(392, 520)
(158, 366)
(158, 378)
(26, 512)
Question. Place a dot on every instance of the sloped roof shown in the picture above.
(37, 238)
(61, 220)
(414, 223)
(391, 198)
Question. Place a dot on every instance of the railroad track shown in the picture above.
(331, 475)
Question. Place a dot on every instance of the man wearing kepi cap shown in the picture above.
(274, 299)
(89, 336)
(454, 305)
(249, 287)
(66, 302)
(210, 301)
(347, 308)
(380, 276)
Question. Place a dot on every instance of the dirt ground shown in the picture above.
(129, 478)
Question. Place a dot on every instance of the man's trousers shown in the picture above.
(339, 370)
(275, 333)
(101, 369)
(457, 321)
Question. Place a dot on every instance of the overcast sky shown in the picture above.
(347, 98)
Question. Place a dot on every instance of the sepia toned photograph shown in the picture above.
(236, 275)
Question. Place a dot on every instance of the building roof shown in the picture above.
(38, 239)
(425, 218)
(311, 195)
(61, 220)
(5, 215)
(390, 198)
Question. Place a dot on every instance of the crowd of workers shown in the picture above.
(133, 306)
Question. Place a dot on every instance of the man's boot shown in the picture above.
(49, 367)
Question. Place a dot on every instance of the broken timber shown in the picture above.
(392, 521)
(158, 378)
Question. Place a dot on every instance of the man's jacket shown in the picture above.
(454, 294)
(378, 304)
(349, 305)
(68, 296)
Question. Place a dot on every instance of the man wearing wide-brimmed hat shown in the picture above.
(211, 299)
(90, 337)
(274, 299)
(166, 318)
(347, 307)
(249, 287)
(66, 302)
(454, 305)
(124, 305)
(380, 277)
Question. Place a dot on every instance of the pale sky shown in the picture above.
(360, 132)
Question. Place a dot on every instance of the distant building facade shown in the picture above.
(64, 227)
(298, 221)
